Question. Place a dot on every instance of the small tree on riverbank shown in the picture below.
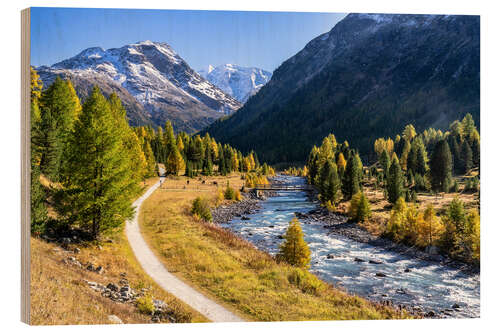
(294, 249)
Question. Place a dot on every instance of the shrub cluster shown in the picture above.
(201, 209)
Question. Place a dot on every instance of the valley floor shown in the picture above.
(231, 270)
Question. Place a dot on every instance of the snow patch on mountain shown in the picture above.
(238, 81)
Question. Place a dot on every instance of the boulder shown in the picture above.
(358, 260)
(112, 287)
(375, 261)
(379, 274)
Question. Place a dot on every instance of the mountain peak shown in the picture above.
(156, 77)
(237, 81)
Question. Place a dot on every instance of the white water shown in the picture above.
(428, 285)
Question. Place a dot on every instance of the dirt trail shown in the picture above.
(169, 282)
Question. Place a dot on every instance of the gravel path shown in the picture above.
(169, 282)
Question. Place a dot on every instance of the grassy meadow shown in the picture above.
(231, 270)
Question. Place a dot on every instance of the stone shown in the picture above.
(244, 218)
(76, 250)
(115, 319)
(455, 306)
(379, 274)
(430, 314)
(407, 270)
(358, 260)
(375, 261)
(112, 287)
(330, 256)
(99, 270)
(125, 289)
(123, 282)
(90, 267)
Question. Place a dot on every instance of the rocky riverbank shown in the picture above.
(340, 225)
(249, 205)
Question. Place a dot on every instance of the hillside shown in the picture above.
(366, 78)
(153, 81)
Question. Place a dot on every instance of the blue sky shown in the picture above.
(260, 39)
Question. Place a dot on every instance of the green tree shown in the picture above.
(467, 156)
(395, 180)
(174, 162)
(294, 249)
(329, 182)
(385, 162)
(352, 177)
(38, 210)
(440, 167)
(101, 185)
(359, 209)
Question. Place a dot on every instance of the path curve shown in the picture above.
(169, 282)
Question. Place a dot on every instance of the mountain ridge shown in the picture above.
(368, 77)
(163, 84)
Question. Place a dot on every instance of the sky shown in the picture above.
(257, 39)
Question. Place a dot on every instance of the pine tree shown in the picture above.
(38, 211)
(150, 159)
(466, 156)
(100, 187)
(476, 152)
(294, 249)
(174, 163)
(131, 142)
(60, 108)
(51, 146)
(385, 163)
(395, 180)
(351, 178)
(359, 209)
(341, 164)
(440, 167)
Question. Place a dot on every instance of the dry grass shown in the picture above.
(381, 207)
(59, 295)
(232, 270)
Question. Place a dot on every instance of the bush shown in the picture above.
(229, 193)
(220, 197)
(330, 205)
(145, 305)
(454, 187)
(201, 209)
(305, 281)
(237, 195)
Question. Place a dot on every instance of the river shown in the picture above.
(409, 281)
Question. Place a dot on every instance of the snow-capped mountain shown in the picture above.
(155, 76)
(239, 82)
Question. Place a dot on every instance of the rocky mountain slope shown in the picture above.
(237, 81)
(153, 81)
(366, 78)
